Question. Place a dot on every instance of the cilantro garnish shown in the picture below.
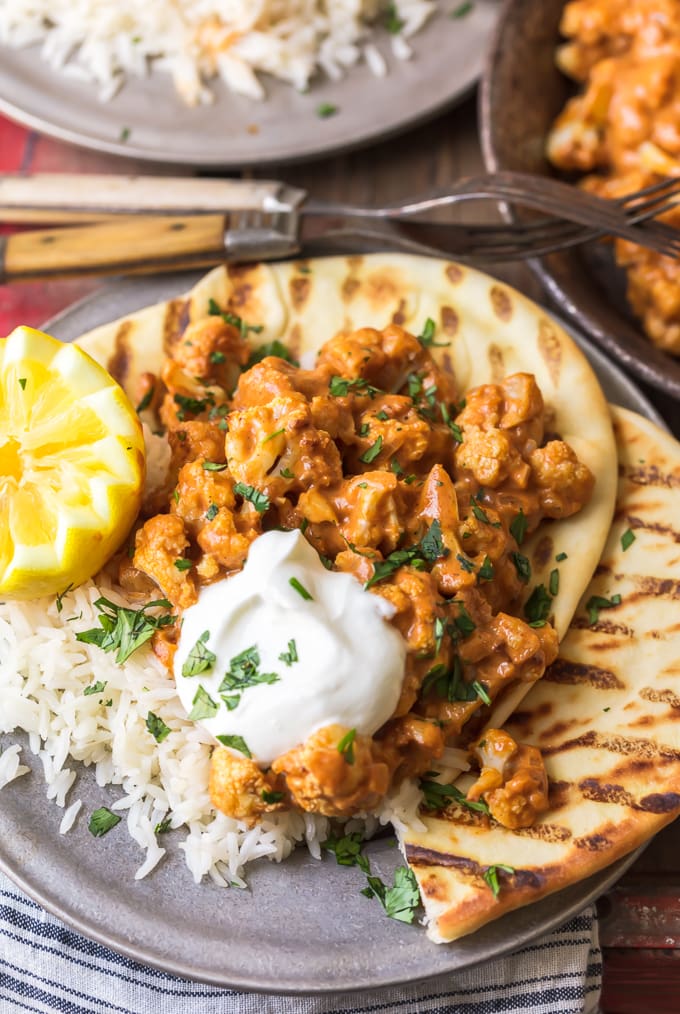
(340, 387)
(211, 512)
(94, 688)
(22, 383)
(203, 706)
(163, 826)
(291, 655)
(554, 582)
(522, 566)
(436, 796)
(192, 405)
(486, 571)
(275, 348)
(627, 539)
(491, 876)
(101, 821)
(124, 630)
(243, 673)
(400, 900)
(597, 602)
(217, 357)
(214, 466)
(157, 727)
(61, 595)
(537, 606)
(276, 433)
(146, 400)
(429, 549)
(300, 589)
(286, 473)
(183, 564)
(200, 658)
(426, 336)
(560, 557)
(236, 743)
(394, 24)
(271, 797)
(256, 497)
(233, 319)
(467, 565)
(346, 746)
(481, 692)
(450, 684)
(518, 527)
(325, 110)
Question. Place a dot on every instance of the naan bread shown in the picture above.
(606, 717)
(490, 331)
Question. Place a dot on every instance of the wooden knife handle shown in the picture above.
(128, 245)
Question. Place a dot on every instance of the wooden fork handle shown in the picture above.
(131, 245)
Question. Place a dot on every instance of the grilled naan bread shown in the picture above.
(606, 717)
(484, 331)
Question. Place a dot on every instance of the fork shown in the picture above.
(267, 219)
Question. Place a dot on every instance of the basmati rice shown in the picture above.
(44, 675)
(106, 41)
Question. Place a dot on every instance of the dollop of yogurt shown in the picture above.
(285, 647)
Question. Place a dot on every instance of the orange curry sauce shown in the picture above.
(422, 493)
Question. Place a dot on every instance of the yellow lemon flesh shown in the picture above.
(71, 465)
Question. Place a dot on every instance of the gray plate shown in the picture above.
(301, 927)
(234, 131)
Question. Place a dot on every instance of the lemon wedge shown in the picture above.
(71, 465)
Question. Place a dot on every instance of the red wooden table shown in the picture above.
(640, 918)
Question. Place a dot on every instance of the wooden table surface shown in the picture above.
(640, 918)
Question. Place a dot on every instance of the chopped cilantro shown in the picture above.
(560, 557)
(275, 348)
(157, 727)
(203, 706)
(426, 336)
(537, 606)
(271, 797)
(214, 466)
(146, 400)
(200, 658)
(522, 566)
(217, 357)
(491, 876)
(347, 850)
(627, 539)
(124, 630)
(382, 415)
(233, 319)
(163, 826)
(432, 545)
(462, 9)
(486, 571)
(346, 745)
(243, 673)
(399, 901)
(300, 589)
(430, 548)
(518, 527)
(325, 110)
(554, 582)
(256, 497)
(291, 655)
(340, 387)
(94, 688)
(236, 743)
(183, 564)
(101, 821)
(481, 693)
(373, 451)
(276, 433)
(60, 597)
(436, 796)
(597, 602)
(286, 473)
(211, 512)
(467, 565)
(192, 405)
(394, 24)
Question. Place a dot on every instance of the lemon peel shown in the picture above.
(71, 465)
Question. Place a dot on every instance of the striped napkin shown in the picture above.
(46, 967)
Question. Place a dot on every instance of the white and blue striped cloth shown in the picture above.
(46, 967)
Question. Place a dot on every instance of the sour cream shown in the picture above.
(318, 650)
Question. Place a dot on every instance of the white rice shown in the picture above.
(106, 41)
(44, 672)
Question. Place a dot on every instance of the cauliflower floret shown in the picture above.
(239, 788)
(277, 449)
(212, 350)
(159, 544)
(564, 483)
(513, 781)
(322, 778)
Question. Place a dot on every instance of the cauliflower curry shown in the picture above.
(421, 491)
